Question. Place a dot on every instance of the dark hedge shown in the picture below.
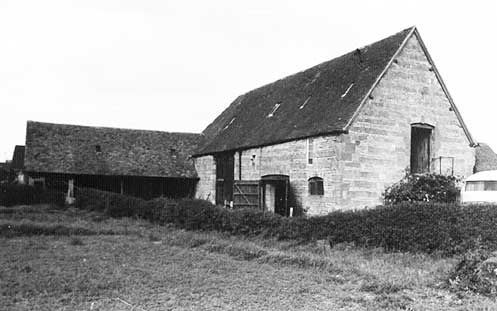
(13, 194)
(414, 227)
(423, 188)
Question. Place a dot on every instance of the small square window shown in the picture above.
(316, 186)
(98, 148)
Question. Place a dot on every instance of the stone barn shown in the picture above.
(335, 135)
(140, 163)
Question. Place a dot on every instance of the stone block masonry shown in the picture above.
(206, 186)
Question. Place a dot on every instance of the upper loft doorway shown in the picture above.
(420, 148)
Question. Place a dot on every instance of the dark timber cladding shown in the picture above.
(136, 162)
(225, 168)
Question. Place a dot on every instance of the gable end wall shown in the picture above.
(408, 93)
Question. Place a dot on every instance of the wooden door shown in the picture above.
(420, 149)
(225, 174)
(280, 198)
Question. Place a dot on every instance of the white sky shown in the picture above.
(175, 65)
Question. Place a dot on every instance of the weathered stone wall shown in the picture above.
(206, 186)
(356, 167)
(291, 159)
(381, 135)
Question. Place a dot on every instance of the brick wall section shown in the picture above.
(356, 167)
(206, 186)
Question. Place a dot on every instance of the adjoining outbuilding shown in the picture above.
(486, 159)
(335, 135)
(141, 163)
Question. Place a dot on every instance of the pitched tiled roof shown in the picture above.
(485, 158)
(74, 149)
(320, 100)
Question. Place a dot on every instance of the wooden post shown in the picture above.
(440, 159)
(70, 192)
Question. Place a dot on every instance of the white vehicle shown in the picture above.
(480, 188)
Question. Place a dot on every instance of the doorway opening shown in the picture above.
(420, 148)
(225, 174)
(274, 194)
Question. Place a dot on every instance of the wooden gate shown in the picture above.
(246, 194)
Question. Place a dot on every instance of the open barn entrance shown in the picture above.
(225, 174)
(275, 194)
(138, 186)
(420, 148)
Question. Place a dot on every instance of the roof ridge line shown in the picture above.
(314, 66)
(380, 76)
(110, 127)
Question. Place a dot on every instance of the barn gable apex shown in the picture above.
(415, 32)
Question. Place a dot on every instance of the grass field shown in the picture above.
(75, 260)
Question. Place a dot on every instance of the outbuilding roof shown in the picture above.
(485, 158)
(75, 149)
(321, 100)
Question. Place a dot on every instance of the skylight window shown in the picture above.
(305, 103)
(270, 115)
(347, 91)
(231, 122)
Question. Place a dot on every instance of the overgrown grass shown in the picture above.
(210, 271)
